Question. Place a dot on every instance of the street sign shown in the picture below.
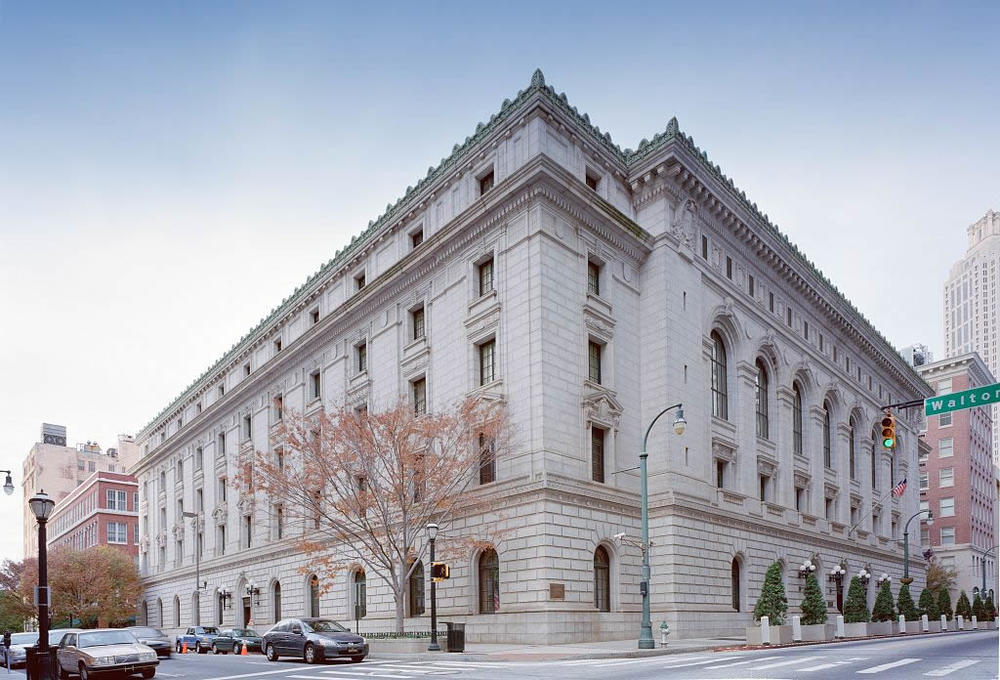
(39, 590)
(980, 396)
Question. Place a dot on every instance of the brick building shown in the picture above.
(100, 511)
(957, 476)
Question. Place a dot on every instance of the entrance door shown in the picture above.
(246, 612)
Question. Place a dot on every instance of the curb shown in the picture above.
(809, 643)
(514, 655)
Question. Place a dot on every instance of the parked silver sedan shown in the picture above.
(95, 653)
(16, 655)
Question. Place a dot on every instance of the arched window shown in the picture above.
(276, 596)
(177, 611)
(489, 582)
(827, 448)
(876, 436)
(360, 594)
(734, 583)
(417, 590)
(760, 389)
(159, 611)
(850, 446)
(602, 580)
(796, 419)
(314, 595)
(720, 394)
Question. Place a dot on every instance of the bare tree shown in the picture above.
(364, 486)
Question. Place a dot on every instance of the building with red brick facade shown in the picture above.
(957, 479)
(100, 511)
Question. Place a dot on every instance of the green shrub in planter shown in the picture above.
(928, 605)
(963, 608)
(813, 606)
(944, 604)
(978, 610)
(856, 607)
(904, 602)
(883, 609)
(772, 602)
(991, 608)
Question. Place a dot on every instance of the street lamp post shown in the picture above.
(432, 531)
(8, 484)
(906, 541)
(646, 631)
(41, 505)
(982, 563)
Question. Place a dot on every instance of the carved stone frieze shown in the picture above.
(602, 407)
(220, 514)
(723, 450)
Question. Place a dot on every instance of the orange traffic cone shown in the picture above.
(184, 647)
(244, 652)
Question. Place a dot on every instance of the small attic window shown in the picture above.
(246, 370)
(314, 317)
(593, 179)
(486, 182)
(277, 345)
(359, 281)
(417, 237)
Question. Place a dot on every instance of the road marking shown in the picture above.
(360, 673)
(790, 662)
(887, 666)
(250, 675)
(740, 663)
(682, 665)
(948, 670)
(833, 664)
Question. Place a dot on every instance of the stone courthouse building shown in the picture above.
(588, 287)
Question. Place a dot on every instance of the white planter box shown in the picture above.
(881, 628)
(817, 632)
(780, 635)
(856, 629)
(933, 626)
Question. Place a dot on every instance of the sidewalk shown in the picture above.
(615, 649)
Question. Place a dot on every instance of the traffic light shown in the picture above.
(889, 431)
(439, 571)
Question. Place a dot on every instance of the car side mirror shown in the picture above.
(296, 630)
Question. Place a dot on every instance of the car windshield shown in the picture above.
(147, 632)
(245, 632)
(207, 631)
(24, 638)
(106, 637)
(323, 626)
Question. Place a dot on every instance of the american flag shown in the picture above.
(898, 490)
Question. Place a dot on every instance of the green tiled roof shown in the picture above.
(629, 158)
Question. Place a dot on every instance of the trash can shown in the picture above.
(456, 636)
(34, 661)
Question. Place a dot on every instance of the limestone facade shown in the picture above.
(610, 282)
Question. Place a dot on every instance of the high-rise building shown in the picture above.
(957, 477)
(971, 319)
(57, 469)
(588, 287)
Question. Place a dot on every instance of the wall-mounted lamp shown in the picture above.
(806, 568)
(226, 597)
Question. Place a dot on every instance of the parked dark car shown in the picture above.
(313, 640)
(232, 639)
(153, 638)
(198, 638)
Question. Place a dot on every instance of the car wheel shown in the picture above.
(63, 673)
(83, 672)
(148, 673)
(357, 659)
(177, 646)
(200, 649)
(270, 652)
(309, 653)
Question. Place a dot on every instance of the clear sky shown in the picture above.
(169, 172)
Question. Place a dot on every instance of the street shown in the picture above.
(970, 656)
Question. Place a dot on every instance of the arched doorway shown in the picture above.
(276, 598)
(314, 595)
(360, 582)
(734, 584)
(489, 582)
(602, 579)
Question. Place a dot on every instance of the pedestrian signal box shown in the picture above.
(439, 571)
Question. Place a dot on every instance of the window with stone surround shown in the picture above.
(360, 281)
(735, 584)
(417, 236)
(720, 473)
(488, 572)
(315, 385)
(873, 459)
(761, 400)
(418, 388)
(946, 507)
(592, 178)
(417, 589)
(417, 329)
(946, 477)
(827, 436)
(800, 499)
(729, 268)
(946, 448)
(796, 418)
(602, 579)
(484, 272)
(851, 444)
(704, 250)
(597, 437)
(720, 385)
(487, 460)
(485, 181)
(764, 482)
(593, 277)
(947, 535)
(487, 361)
(361, 357)
(595, 350)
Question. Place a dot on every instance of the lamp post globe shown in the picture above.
(8, 485)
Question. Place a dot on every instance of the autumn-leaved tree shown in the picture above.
(940, 577)
(364, 485)
(97, 586)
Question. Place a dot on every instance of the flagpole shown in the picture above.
(871, 509)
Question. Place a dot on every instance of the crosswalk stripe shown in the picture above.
(801, 659)
(741, 663)
(355, 674)
(948, 670)
(682, 665)
(887, 666)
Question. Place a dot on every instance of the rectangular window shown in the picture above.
(221, 391)
(800, 499)
(277, 345)
(485, 271)
(594, 351)
(788, 316)
(923, 481)
(314, 317)
(247, 428)
(199, 500)
(765, 484)
(831, 509)
(947, 535)
(944, 386)
(117, 500)
(246, 370)
(925, 506)
(729, 267)
(247, 531)
(597, 454)
(222, 489)
(487, 364)
(593, 278)
(417, 322)
(770, 302)
(925, 535)
(486, 182)
(279, 521)
(279, 408)
(222, 443)
(592, 178)
(820, 342)
(221, 547)
(487, 460)
(946, 448)
(720, 474)
(117, 532)
(315, 385)
(91, 467)
(417, 237)
(419, 396)
(359, 281)
(947, 507)
(944, 420)
(704, 248)
(199, 458)
(946, 477)
(805, 329)
(361, 353)
(750, 285)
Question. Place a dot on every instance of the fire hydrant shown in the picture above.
(664, 632)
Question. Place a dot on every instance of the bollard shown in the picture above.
(796, 629)
(664, 632)
(975, 622)
(961, 622)
(944, 623)
(925, 625)
(840, 626)
(765, 630)
(902, 623)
